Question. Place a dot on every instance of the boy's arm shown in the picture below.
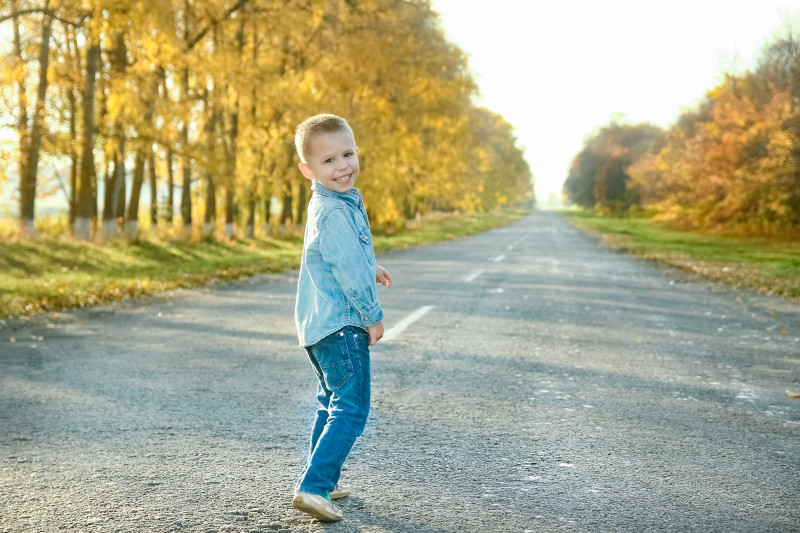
(341, 249)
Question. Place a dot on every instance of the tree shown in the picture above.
(213, 91)
(30, 126)
(599, 175)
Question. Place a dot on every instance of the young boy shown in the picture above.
(337, 312)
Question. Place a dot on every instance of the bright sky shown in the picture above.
(558, 69)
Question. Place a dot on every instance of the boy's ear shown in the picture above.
(306, 170)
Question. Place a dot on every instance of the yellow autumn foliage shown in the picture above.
(208, 94)
(733, 162)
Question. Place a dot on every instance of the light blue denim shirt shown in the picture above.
(337, 286)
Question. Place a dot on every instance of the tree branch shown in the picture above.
(50, 12)
(196, 39)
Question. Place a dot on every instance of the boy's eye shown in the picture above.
(330, 159)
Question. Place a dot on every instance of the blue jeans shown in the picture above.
(341, 363)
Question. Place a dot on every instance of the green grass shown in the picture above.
(769, 265)
(54, 274)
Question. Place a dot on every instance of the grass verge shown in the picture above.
(767, 265)
(53, 274)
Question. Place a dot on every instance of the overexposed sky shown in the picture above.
(557, 69)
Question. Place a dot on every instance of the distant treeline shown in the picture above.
(200, 99)
(734, 161)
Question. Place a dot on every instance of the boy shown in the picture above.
(337, 312)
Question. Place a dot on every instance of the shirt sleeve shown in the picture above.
(342, 250)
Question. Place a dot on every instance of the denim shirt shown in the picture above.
(337, 286)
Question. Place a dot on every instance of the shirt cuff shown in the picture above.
(372, 315)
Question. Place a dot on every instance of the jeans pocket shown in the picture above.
(335, 362)
(359, 335)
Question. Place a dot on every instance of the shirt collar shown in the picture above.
(353, 195)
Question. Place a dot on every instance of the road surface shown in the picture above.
(531, 381)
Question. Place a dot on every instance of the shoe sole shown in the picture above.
(317, 513)
(338, 495)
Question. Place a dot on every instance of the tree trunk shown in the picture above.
(186, 192)
(32, 146)
(151, 168)
(169, 215)
(250, 226)
(230, 212)
(142, 153)
(186, 197)
(120, 185)
(87, 191)
(210, 214)
(73, 157)
(119, 66)
(114, 184)
(132, 221)
(301, 203)
(267, 214)
(230, 206)
(286, 210)
(108, 206)
(23, 132)
(114, 201)
(72, 47)
(210, 218)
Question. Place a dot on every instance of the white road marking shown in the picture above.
(498, 258)
(471, 276)
(515, 243)
(398, 328)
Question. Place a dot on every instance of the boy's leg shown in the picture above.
(324, 399)
(320, 417)
(343, 360)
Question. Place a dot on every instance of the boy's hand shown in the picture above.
(382, 276)
(375, 333)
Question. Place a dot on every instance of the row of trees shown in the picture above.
(202, 98)
(735, 160)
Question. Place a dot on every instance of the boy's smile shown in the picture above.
(332, 161)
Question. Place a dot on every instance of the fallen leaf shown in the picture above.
(784, 332)
(791, 394)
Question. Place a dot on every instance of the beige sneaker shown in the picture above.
(339, 492)
(317, 506)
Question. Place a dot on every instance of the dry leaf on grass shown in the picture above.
(791, 394)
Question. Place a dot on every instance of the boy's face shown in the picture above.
(332, 160)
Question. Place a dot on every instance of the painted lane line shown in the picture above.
(515, 243)
(498, 258)
(471, 276)
(398, 328)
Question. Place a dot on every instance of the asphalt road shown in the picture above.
(532, 381)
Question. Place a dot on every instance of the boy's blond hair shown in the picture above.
(324, 123)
